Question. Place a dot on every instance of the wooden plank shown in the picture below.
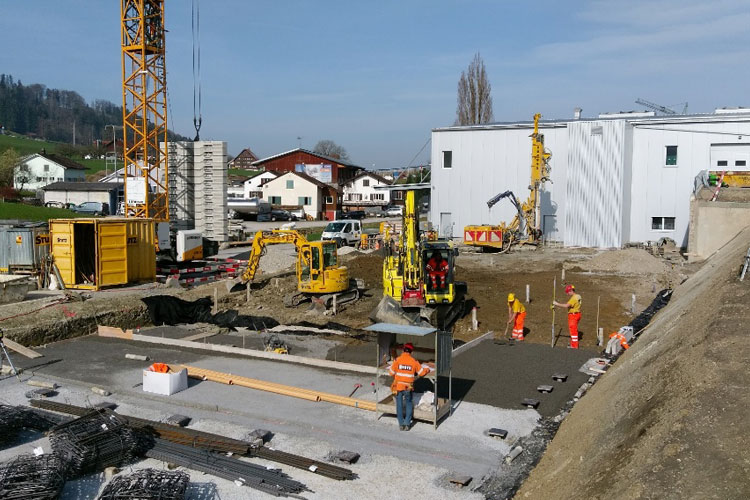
(22, 350)
(200, 336)
(271, 356)
(117, 333)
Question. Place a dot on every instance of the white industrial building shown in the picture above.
(616, 179)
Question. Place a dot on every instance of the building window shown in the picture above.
(329, 200)
(377, 197)
(365, 182)
(274, 200)
(662, 223)
(46, 168)
(290, 184)
(740, 163)
(671, 159)
(447, 159)
(39, 179)
(398, 195)
(721, 163)
(304, 200)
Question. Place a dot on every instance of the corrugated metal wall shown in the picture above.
(595, 184)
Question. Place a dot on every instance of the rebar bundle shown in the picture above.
(270, 481)
(95, 441)
(148, 484)
(11, 423)
(31, 477)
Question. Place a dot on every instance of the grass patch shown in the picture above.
(25, 146)
(242, 172)
(34, 213)
(95, 165)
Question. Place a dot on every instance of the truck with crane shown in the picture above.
(525, 228)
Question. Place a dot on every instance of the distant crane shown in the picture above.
(667, 110)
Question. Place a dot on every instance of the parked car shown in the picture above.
(343, 232)
(394, 211)
(354, 214)
(92, 208)
(278, 214)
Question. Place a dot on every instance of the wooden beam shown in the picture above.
(22, 350)
(117, 333)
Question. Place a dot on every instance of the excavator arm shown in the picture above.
(263, 239)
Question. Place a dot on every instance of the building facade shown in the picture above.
(360, 192)
(322, 168)
(253, 187)
(616, 179)
(75, 193)
(244, 160)
(295, 190)
(41, 169)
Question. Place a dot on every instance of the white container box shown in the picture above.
(165, 384)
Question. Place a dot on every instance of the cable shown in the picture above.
(419, 152)
(196, 25)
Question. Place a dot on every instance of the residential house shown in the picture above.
(294, 190)
(244, 160)
(40, 169)
(361, 192)
(320, 167)
(253, 186)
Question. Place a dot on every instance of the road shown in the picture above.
(252, 226)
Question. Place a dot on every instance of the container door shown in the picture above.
(113, 254)
(62, 246)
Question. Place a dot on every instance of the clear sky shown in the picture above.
(376, 77)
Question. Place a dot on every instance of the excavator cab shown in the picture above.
(318, 269)
(438, 259)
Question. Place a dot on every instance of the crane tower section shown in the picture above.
(144, 109)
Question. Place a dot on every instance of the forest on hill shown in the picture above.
(57, 115)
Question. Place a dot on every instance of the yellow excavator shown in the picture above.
(319, 274)
(524, 229)
(419, 283)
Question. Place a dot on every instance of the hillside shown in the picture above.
(669, 419)
(26, 146)
(33, 213)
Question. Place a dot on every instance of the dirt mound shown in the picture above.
(668, 419)
(627, 261)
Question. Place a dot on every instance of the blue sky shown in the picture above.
(376, 77)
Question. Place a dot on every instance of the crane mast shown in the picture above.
(144, 109)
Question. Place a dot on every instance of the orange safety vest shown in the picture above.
(404, 370)
(159, 367)
(623, 341)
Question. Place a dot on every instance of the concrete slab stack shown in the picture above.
(198, 187)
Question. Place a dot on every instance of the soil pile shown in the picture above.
(627, 261)
(669, 419)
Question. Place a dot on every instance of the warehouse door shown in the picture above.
(446, 225)
(113, 256)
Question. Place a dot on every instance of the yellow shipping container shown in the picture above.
(99, 252)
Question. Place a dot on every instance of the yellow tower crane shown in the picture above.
(144, 109)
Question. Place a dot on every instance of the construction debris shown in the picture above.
(545, 388)
(178, 420)
(137, 357)
(595, 366)
(530, 403)
(497, 432)
(148, 484)
(347, 456)
(560, 377)
(100, 391)
(41, 393)
(513, 454)
(43, 384)
(460, 480)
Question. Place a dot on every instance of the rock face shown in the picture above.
(669, 419)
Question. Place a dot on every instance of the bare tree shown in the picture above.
(474, 99)
(12, 169)
(330, 148)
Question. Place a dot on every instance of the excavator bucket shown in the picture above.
(390, 311)
(234, 285)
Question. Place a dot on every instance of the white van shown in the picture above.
(343, 232)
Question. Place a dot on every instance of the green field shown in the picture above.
(96, 165)
(242, 172)
(25, 146)
(32, 213)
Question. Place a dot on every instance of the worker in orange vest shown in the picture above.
(405, 370)
(516, 315)
(573, 305)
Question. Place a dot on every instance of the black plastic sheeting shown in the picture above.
(169, 310)
(642, 320)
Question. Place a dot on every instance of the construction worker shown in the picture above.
(516, 315)
(437, 269)
(405, 370)
(573, 305)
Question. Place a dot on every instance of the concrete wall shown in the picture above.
(713, 224)
(78, 197)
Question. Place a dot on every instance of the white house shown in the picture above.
(616, 179)
(296, 189)
(360, 191)
(40, 169)
(252, 186)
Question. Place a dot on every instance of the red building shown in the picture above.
(320, 167)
